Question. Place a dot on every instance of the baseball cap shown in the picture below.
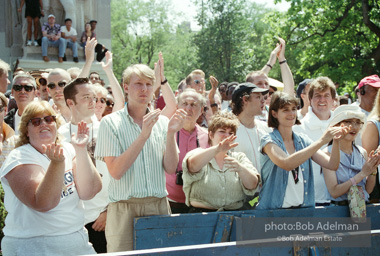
(302, 85)
(373, 81)
(92, 21)
(248, 88)
(51, 15)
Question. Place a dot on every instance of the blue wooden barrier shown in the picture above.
(230, 248)
(204, 228)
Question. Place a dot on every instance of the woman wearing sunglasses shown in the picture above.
(286, 157)
(43, 189)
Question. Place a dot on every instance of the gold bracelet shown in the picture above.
(374, 173)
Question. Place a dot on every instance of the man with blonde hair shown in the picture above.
(138, 146)
(4, 81)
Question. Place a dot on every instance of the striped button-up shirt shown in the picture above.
(146, 177)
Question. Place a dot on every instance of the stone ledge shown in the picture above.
(35, 53)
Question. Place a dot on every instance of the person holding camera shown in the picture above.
(216, 179)
(191, 136)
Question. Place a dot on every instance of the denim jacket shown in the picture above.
(275, 179)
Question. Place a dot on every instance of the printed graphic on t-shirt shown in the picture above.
(68, 184)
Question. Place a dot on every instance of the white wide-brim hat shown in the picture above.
(345, 112)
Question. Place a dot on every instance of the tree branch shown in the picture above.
(339, 20)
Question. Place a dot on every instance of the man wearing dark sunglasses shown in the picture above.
(23, 91)
(56, 81)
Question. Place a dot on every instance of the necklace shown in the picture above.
(253, 148)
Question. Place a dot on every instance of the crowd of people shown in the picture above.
(81, 159)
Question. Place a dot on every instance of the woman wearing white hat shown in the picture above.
(355, 168)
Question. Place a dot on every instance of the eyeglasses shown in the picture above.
(38, 120)
(109, 103)
(60, 84)
(353, 123)
(27, 88)
(102, 100)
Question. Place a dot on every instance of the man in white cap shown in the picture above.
(52, 37)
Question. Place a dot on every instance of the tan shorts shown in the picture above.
(120, 215)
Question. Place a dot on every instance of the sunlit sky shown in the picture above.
(189, 11)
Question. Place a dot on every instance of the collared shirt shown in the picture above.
(54, 30)
(314, 128)
(187, 142)
(145, 177)
(214, 187)
(275, 179)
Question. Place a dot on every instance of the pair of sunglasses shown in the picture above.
(42, 81)
(109, 103)
(197, 81)
(60, 84)
(102, 100)
(27, 88)
(38, 120)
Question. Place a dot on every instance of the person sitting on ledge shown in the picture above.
(52, 37)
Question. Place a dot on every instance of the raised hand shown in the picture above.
(161, 63)
(281, 53)
(149, 121)
(334, 132)
(80, 139)
(232, 164)
(371, 163)
(108, 65)
(214, 82)
(53, 152)
(227, 144)
(90, 49)
(177, 120)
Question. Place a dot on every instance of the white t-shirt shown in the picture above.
(24, 222)
(294, 192)
(249, 141)
(17, 122)
(225, 104)
(95, 206)
(72, 31)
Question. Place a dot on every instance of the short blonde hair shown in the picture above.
(32, 110)
(141, 70)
